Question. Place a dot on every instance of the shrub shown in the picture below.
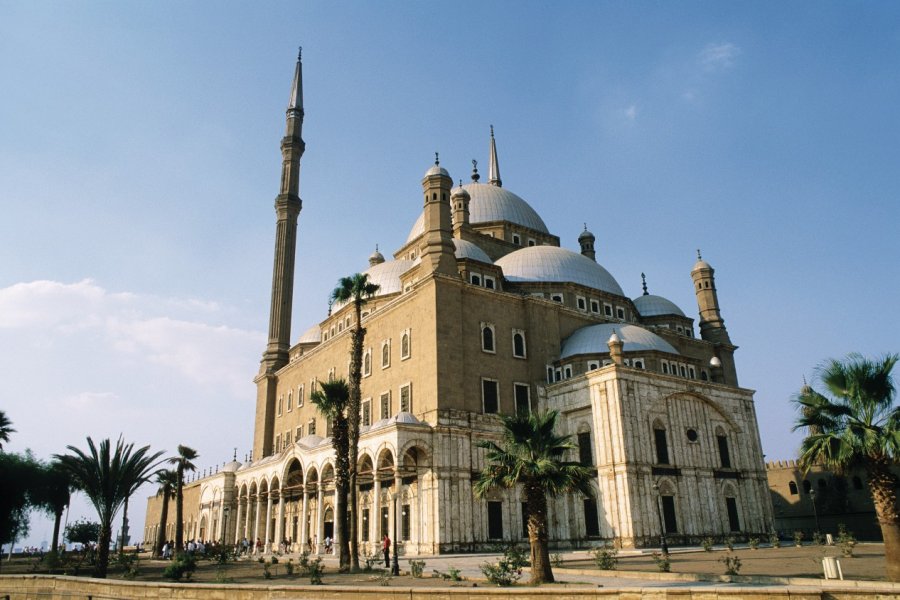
(289, 566)
(274, 560)
(266, 572)
(184, 565)
(819, 538)
(732, 564)
(452, 574)
(606, 557)
(372, 560)
(774, 540)
(846, 541)
(130, 564)
(663, 563)
(798, 538)
(312, 568)
(753, 543)
(707, 543)
(556, 560)
(508, 569)
(416, 567)
(260, 560)
(223, 554)
(729, 542)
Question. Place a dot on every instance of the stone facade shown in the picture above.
(482, 313)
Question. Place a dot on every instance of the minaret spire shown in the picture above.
(494, 170)
(296, 101)
(644, 284)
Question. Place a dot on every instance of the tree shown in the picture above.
(182, 463)
(358, 290)
(168, 481)
(21, 476)
(82, 532)
(52, 495)
(5, 428)
(857, 424)
(531, 455)
(107, 477)
(332, 401)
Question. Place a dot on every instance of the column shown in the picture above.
(375, 518)
(237, 520)
(337, 530)
(320, 520)
(255, 535)
(397, 508)
(304, 534)
(220, 533)
(268, 520)
(279, 524)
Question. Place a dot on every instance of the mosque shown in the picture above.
(481, 313)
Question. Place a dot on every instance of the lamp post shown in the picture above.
(224, 523)
(664, 547)
(395, 564)
(812, 495)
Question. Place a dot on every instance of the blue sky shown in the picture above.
(139, 162)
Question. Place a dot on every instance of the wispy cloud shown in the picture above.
(718, 56)
(631, 112)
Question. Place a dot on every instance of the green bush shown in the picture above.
(729, 542)
(774, 540)
(416, 567)
(663, 563)
(556, 560)
(184, 565)
(452, 574)
(819, 538)
(606, 557)
(707, 543)
(266, 572)
(312, 568)
(130, 564)
(798, 538)
(274, 560)
(508, 569)
(732, 564)
(753, 543)
(846, 541)
(289, 566)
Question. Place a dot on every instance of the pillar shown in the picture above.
(320, 520)
(304, 534)
(375, 519)
(268, 520)
(256, 521)
(279, 522)
(237, 520)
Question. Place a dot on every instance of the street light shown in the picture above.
(395, 565)
(224, 523)
(812, 495)
(662, 528)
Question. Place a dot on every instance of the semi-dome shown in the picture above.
(466, 249)
(554, 264)
(594, 339)
(313, 335)
(387, 276)
(650, 305)
(492, 203)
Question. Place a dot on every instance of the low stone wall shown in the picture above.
(46, 587)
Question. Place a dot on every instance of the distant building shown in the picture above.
(481, 312)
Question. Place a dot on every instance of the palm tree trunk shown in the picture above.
(121, 543)
(536, 500)
(57, 519)
(161, 534)
(882, 485)
(353, 416)
(179, 511)
(103, 549)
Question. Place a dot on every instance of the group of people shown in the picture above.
(196, 547)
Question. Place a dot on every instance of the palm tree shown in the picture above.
(356, 289)
(107, 478)
(168, 481)
(531, 455)
(53, 496)
(858, 425)
(182, 463)
(332, 401)
(5, 428)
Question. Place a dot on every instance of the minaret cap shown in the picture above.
(376, 258)
(644, 284)
(700, 264)
(614, 338)
(296, 101)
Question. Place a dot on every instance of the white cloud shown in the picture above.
(718, 57)
(631, 112)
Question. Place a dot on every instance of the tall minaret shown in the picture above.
(712, 325)
(287, 208)
(437, 249)
(494, 170)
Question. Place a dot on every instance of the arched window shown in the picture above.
(367, 363)
(487, 338)
(518, 344)
(404, 345)
(385, 354)
(792, 487)
(807, 486)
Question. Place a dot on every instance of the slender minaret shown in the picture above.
(460, 200)
(287, 208)
(712, 325)
(437, 249)
(586, 241)
(494, 170)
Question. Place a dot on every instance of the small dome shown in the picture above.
(586, 235)
(387, 276)
(310, 441)
(460, 192)
(231, 467)
(700, 264)
(436, 169)
(714, 362)
(313, 335)
(404, 417)
(491, 203)
(652, 306)
(614, 338)
(554, 264)
(593, 339)
(376, 258)
(466, 249)
(379, 424)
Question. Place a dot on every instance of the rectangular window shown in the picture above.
(607, 309)
(585, 452)
(668, 506)
(591, 518)
(367, 363)
(556, 298)
(495, 520)
(405, 523)
(489, 282)
(662, 446)
(531, 242)
(367, 412)
(311, 427)
(364, 534)
(692, 373)
(490, 396)
(665, 367)
(581, 303)
(329, 428)
(278, 443)
(549, 374)
(733, 522)
(557, 375)
(724, 456)
(298, 433)
(287, 439)
(595, 306)
(620, 313)
(475, 279)
(522, 392)
(385, 405)
(405, 344)
(406, 398)
(385, 354)
(683, 371)
(593, 364)
(517, 240)
(568, 372)
(638, 363)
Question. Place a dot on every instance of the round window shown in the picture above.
(691, 435)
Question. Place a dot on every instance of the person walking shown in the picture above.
(386, 549)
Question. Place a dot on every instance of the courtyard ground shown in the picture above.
(634, 569)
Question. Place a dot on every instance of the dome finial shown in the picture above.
(698, 254)
(494, 170)
(299, 52)
(234, 458)
(644, 284)
(437, 159)
(475, 175)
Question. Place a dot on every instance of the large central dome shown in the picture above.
(492, 203)
(558, 265)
